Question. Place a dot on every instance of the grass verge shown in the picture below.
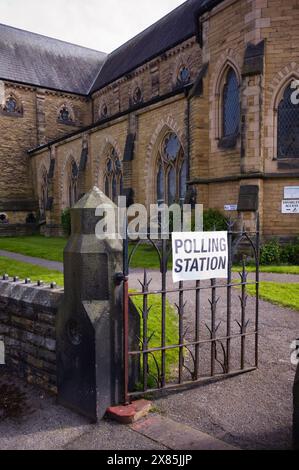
(36, 246)
(283, 294)
(35, 273)
(154, 332)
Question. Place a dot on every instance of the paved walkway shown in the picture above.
(41, 424)
(57, 266)
(44, 263)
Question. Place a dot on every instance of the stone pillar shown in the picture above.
(89, 322)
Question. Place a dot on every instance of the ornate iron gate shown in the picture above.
(200, 334)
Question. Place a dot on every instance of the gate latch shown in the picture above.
(118, 278)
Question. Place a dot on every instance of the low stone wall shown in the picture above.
(27, 325)
(18, 230)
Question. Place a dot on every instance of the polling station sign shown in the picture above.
(199, 255)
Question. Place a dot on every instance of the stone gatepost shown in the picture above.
(89, 322)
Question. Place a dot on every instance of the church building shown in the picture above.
(201, 106)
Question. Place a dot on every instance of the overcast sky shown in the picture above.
(100, 24)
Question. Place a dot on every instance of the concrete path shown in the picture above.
(44, 263)
(57, 266)
(40, 424)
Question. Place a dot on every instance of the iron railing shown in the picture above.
(206, 346)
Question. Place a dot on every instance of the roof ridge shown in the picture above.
(148, 27)
(52, 38)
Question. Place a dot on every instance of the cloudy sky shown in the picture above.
(100, 24)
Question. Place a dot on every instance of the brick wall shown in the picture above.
(154, 78)
(27, 325)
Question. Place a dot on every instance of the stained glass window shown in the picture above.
(43, 195)
(11, 105)
(137, 95)
(183, 76)
(64, 114)
(231, 105)
(171, 171)
(73, 184)
(113, 175)
(104, 111)
(288, 126)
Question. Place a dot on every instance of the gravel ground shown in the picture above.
(253, 410)
(41, 424)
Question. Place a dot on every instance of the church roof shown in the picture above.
(45, 62)
(34, 59)
(172, 29)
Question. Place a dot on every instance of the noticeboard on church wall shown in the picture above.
(290, 206)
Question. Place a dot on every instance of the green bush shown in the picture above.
(66, 221)
(214, 220)
(270, 253)
(290, 253)
(274, 253)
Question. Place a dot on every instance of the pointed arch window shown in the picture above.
(288, 126)
(184, 76)
(65, 115)
(230, 105)
(171, 171)
(43, 195)
(73, 183)
(137, 95)
(113, 180)
(12, 106)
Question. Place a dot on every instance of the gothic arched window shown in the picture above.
(288, 126)
(64, 114)
(73, 184)
(11, 105)
(113, 175)
(230, 105)
(103, 111)
(184, 76)
(171, 171)
(137, 95)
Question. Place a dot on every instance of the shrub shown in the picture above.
(214, 220)
(66, 221)
(290, 253)
(270, 253)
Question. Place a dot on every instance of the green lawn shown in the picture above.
(286, 295)
(284, 269)
(37, 246)
(154, 332)
(25, 270)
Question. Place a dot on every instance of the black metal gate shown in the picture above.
(196, 331)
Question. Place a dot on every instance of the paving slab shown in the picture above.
(176, 436)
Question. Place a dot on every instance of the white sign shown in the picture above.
(231, 207)
(291, 192)
(2, 352)
(199, 255)
(290, 206)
